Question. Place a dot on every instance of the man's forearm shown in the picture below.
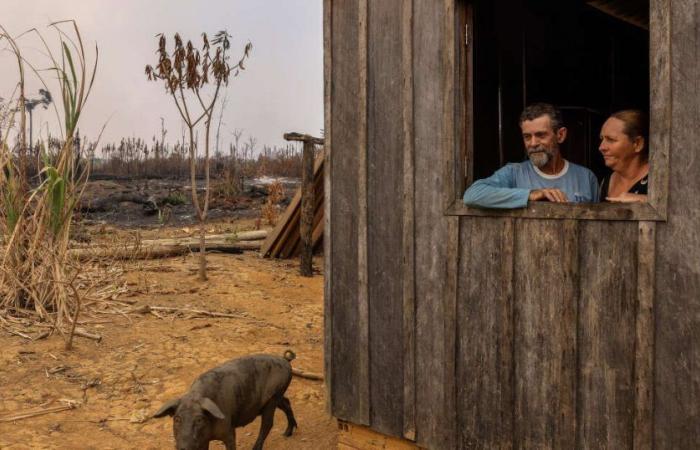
(481, 194)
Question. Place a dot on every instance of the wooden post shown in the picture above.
(307, 198)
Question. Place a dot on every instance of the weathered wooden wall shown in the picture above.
(391, 332)
(498, 332)
(547, 326)
(677, 297)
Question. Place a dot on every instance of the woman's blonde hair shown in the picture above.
(636, 125)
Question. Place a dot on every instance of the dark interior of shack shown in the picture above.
(588, 62)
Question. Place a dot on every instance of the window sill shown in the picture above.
(579, 211)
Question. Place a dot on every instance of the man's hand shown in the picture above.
(627, 198)
(552, 195)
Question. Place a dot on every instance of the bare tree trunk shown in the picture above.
(307, 209)
(201, 212)
(202, 252)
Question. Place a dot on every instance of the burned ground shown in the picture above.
(146, 359)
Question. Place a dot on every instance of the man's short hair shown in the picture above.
(537, 110)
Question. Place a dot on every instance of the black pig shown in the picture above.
(229, 396)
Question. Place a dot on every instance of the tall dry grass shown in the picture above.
(37, 276)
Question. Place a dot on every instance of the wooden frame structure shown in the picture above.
(284, 241)
(550, 327)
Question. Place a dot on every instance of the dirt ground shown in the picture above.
(143, 361)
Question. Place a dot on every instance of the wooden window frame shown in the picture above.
(459, 166)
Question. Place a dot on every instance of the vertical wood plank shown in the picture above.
(546, 293)
(408, 254)
(485, 334)
(362, 264)
(327, 224)
(450, 182)
(606, 334)
(349, 367)
(431, 250)
(660, 102)
(449, 104)
(385, 215)
(644, 339)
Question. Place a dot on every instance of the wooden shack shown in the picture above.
(554, 326)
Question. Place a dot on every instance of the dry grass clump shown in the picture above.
(97, 285)
(271, 209)
(225, 190)
(38, 278)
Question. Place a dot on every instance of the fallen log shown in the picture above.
(231, 238)
(111, 202)
(209, 244)
(159, 251)
(254, 235)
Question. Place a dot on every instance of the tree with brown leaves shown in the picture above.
(186, 73)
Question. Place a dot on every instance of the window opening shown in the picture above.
(575, 55)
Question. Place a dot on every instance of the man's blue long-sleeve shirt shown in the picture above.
(510, 186)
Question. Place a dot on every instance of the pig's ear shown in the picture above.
(168, 409)
(209, 406)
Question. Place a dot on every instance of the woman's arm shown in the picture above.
(628, 198)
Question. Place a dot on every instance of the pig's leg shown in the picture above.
(285, 406)
(230, 443)
(267, 417)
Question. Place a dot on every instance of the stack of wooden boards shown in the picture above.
(284, 241)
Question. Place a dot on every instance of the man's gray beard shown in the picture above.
(539, 158)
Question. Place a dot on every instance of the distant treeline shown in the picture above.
(133, 157)
(136, 158)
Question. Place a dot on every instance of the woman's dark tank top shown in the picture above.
(640, 187)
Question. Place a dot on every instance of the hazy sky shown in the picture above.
(281, 89)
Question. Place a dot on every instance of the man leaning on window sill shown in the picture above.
(544, 176)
